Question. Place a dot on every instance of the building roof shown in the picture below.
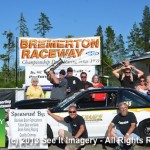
(135, 59)
(143, 57)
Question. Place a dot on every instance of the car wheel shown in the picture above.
(49, 133)
(144, 130)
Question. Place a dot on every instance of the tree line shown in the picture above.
(113, 46)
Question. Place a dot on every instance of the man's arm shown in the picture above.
(78, 85)
(56, 117)
(52, 75)
(131, 129)
(80, 131)
(110, 127)
(139, 72)
(116, 72)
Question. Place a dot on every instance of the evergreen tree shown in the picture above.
(69, 36)
(145, 27)
(109, 45)
(23, 29)
(119, 53)
(106, 61)
(99, 32)
(135, 42)
(43, 25)
(9, 46)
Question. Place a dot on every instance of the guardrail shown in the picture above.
(19, 92)
(8, 96)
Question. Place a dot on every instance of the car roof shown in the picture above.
(111, 88)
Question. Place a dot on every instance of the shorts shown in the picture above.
(132, 140)
(72, 143)
(132, 135)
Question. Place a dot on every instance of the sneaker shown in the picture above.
(118, 148)
(133, 147)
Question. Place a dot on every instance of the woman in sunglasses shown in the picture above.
(142, 86)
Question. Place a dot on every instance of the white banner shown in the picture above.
(74, 51)
(39, 72)
(27, 129)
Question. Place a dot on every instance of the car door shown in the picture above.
(137, 104)
(97, 114)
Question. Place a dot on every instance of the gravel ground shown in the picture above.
(91, 147)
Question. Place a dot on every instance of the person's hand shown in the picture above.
(123, 67)
(70, 140)
(51, 72)
(109, 136)
(7, 114)
(133, 67)
(127, 136)
(48, 111)
(129, 66)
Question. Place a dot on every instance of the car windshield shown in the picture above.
(68, 99)
(145, 94)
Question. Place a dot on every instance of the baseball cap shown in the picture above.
(69, 69)
(63, 72)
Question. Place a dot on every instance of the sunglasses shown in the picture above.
(83, 76)
(72, 112)
(142, 81)
(127, 72)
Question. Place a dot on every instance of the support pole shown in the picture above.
(16, 62)
(102, 54)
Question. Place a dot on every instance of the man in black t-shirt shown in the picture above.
(125, 123)
(128, 79)
(77, 124)
(84, 83)
(74, 83)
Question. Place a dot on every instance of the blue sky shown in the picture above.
(79, 18)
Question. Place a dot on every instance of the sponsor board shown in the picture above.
(27, 129)
(31, 71)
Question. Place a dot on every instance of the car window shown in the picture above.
(68, 99)
(112, 99)
(96, 100)
(132, 99)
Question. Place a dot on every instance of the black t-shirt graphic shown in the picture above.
(123, 123)
(74, 84)
(75, 125)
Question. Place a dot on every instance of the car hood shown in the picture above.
(36, 104)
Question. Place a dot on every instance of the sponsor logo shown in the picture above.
(92, 53)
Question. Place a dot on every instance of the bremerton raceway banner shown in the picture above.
(31, 71)
(27, 129)
(73, 51)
